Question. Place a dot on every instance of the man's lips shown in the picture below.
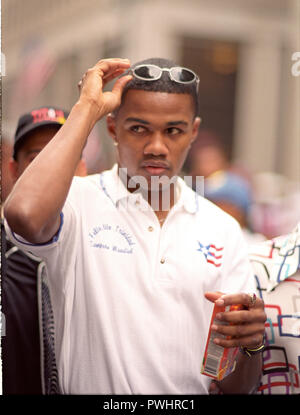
(155, 167)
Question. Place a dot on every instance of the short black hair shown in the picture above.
(164, 84)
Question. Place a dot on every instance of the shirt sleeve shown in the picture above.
(65, 236)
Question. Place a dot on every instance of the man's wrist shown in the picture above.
(251, 351)
(89, 108)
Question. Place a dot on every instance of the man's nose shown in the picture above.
(156, 145)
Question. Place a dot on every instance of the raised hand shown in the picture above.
(92, 83)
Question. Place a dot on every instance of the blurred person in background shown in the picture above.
(233, 194)
(28, 343)
(276, 204)
(225, 184)
(276, 266)
(207, 155)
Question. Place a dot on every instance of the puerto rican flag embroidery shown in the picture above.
(212, 254)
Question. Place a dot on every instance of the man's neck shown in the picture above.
(161, 199)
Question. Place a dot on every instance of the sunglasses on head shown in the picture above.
(148, 72)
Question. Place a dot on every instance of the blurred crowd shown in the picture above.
(265, 203)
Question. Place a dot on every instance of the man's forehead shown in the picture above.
(146, 122)
(156, 103)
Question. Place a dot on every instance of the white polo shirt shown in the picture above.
(128, 295)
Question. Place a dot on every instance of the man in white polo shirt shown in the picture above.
(135, 257)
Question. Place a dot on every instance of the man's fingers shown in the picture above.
(248, 300)
(120, 84)
(80, 83)
(242, 316)
(112, 99)
(95, 78)
(238, 330)
(109, 77)
(106, 70)
(109, 66)
(246, 341)
(213, 295)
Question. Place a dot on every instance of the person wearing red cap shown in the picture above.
(27, 343)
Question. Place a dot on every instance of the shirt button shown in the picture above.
(150, 228)
(162, 261)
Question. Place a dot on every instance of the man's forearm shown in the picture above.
(33, 207)
(246, 376)
(32, 210)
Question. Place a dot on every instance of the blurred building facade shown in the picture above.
(241, 50)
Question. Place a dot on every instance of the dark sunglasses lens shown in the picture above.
(183, 75)
(147, 72)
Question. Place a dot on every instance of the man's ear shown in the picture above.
(13, 169)
(196, 125)
(111, 126)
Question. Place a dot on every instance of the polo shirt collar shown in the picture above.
(188, 198)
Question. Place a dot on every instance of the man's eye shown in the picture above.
(173, 131)
(138, 129)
